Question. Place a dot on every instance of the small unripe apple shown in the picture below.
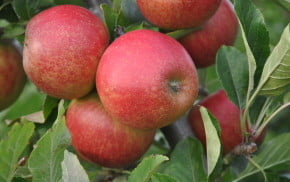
(98, 138)
(228, 116)
(146, 79)
(221, 29)
(177, 14)
(12, 76)
(62, 49)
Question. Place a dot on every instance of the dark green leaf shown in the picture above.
(186, 162)
(74, 2)
(228, 175)
(144, 171)
(272, 153)
(25, 9)
(253, 25)
(7, 12)
(12, 148)
(276, 74)
(45, 3)
(49, 104)
(72, 171)
(45, 160)
(157, 177)
(232, 69)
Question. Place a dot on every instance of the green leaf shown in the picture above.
(142, 25)
(276, 74)
(233, 71)
(13, 30)
(157, 177)
(254, 32)
(285, 4)
(213, 144)
(45, 160)
(251, 66)
(12, 148)
(116, 4)
(186, 162)
(49, 104)
(110, 19)
(4, 23)
(22, 172)
(286, 98)
(228, 175)
(72, 171)
(135, 27)
(272, 153)
(30, 101)
(145, 169)
(113, 20)
(177, 34)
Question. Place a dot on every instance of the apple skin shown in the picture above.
(228, 116)
(146, 79)
(12, 76)
(100, 139)
(221, 29)
(62, 48)
(177, 14)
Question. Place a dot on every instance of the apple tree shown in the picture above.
(144, 90)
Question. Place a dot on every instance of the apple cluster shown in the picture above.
(123, 91)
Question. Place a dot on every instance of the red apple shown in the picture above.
(177, 14)
(12, 77)
(100, 139)
(146, 79)
(228, 116)
(204, 43)
(62, 49)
